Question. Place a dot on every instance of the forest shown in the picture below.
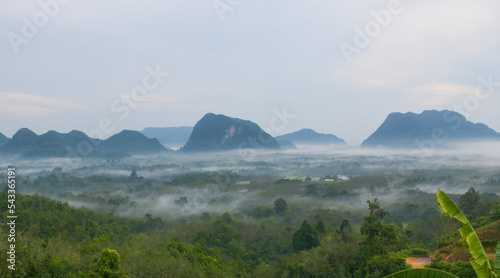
(311, 216)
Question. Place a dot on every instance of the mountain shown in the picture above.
(310, 137)
(132, 142)
(3, 139)
(169, 136)
(78, 140)
(27, 144)
(219, 132)
(287, 145)
(412, 130)
(21, 141)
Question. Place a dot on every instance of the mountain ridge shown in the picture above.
(27, 144)
(409, 130)
(307, 136)
(217, 132)
(3, 139)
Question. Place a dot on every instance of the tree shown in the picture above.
(469, 202)
(311, 190)
(182, 201)
(305, 238)
(108, 265)
(205, 216)
(372, 228)
(133, 175)
(227, 218)
(320, 227)
(280, 206)
(346, 231)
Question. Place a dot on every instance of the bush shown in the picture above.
(419, 252)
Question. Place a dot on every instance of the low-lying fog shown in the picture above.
(178, 184)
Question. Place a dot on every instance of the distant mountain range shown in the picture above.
(169, 136)
(27, 144)
(219, 132)
(287, 145)
(3, 139)
(310, 137)
(409, 130)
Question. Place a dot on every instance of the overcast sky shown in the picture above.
(327, 65)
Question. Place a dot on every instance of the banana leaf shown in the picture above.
(497, 260)
(422, 273)
(479, 259)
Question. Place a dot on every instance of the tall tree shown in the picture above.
(469, 203)
(320, 227)
(280, 206)
(346, 231)
(133, 174)
(305, 238)
(372, 227)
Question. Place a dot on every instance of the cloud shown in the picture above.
(439, 94)
(426, 40)
(18, 105)
(156, 100)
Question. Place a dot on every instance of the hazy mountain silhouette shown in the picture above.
(132, 142)
(27, 144)
(412, 130)
(219, 132)
(287, 145)
(3, 139)
(310, 137)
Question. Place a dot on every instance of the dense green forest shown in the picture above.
(275, 238)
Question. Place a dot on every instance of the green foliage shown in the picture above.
(460, 269)
(422, 273)
(418, 252)
(305, 238)
(311, 189)
(280, 206)
(254, 240)
(108, 265)
(346, 231)
(259, 212)
(133, 174)
(469, 203)
(497, 260)
(205, 216)
(480, 261)
(379, 237)
(380, 266)
(182, 201)
(320, 227)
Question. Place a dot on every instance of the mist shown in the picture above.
(242, 180)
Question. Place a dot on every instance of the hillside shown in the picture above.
(219, 132)
(3, 139)
(409, 130)
(310, 137)
(132, 142)
(27, 144)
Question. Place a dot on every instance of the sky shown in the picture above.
(335, 66)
